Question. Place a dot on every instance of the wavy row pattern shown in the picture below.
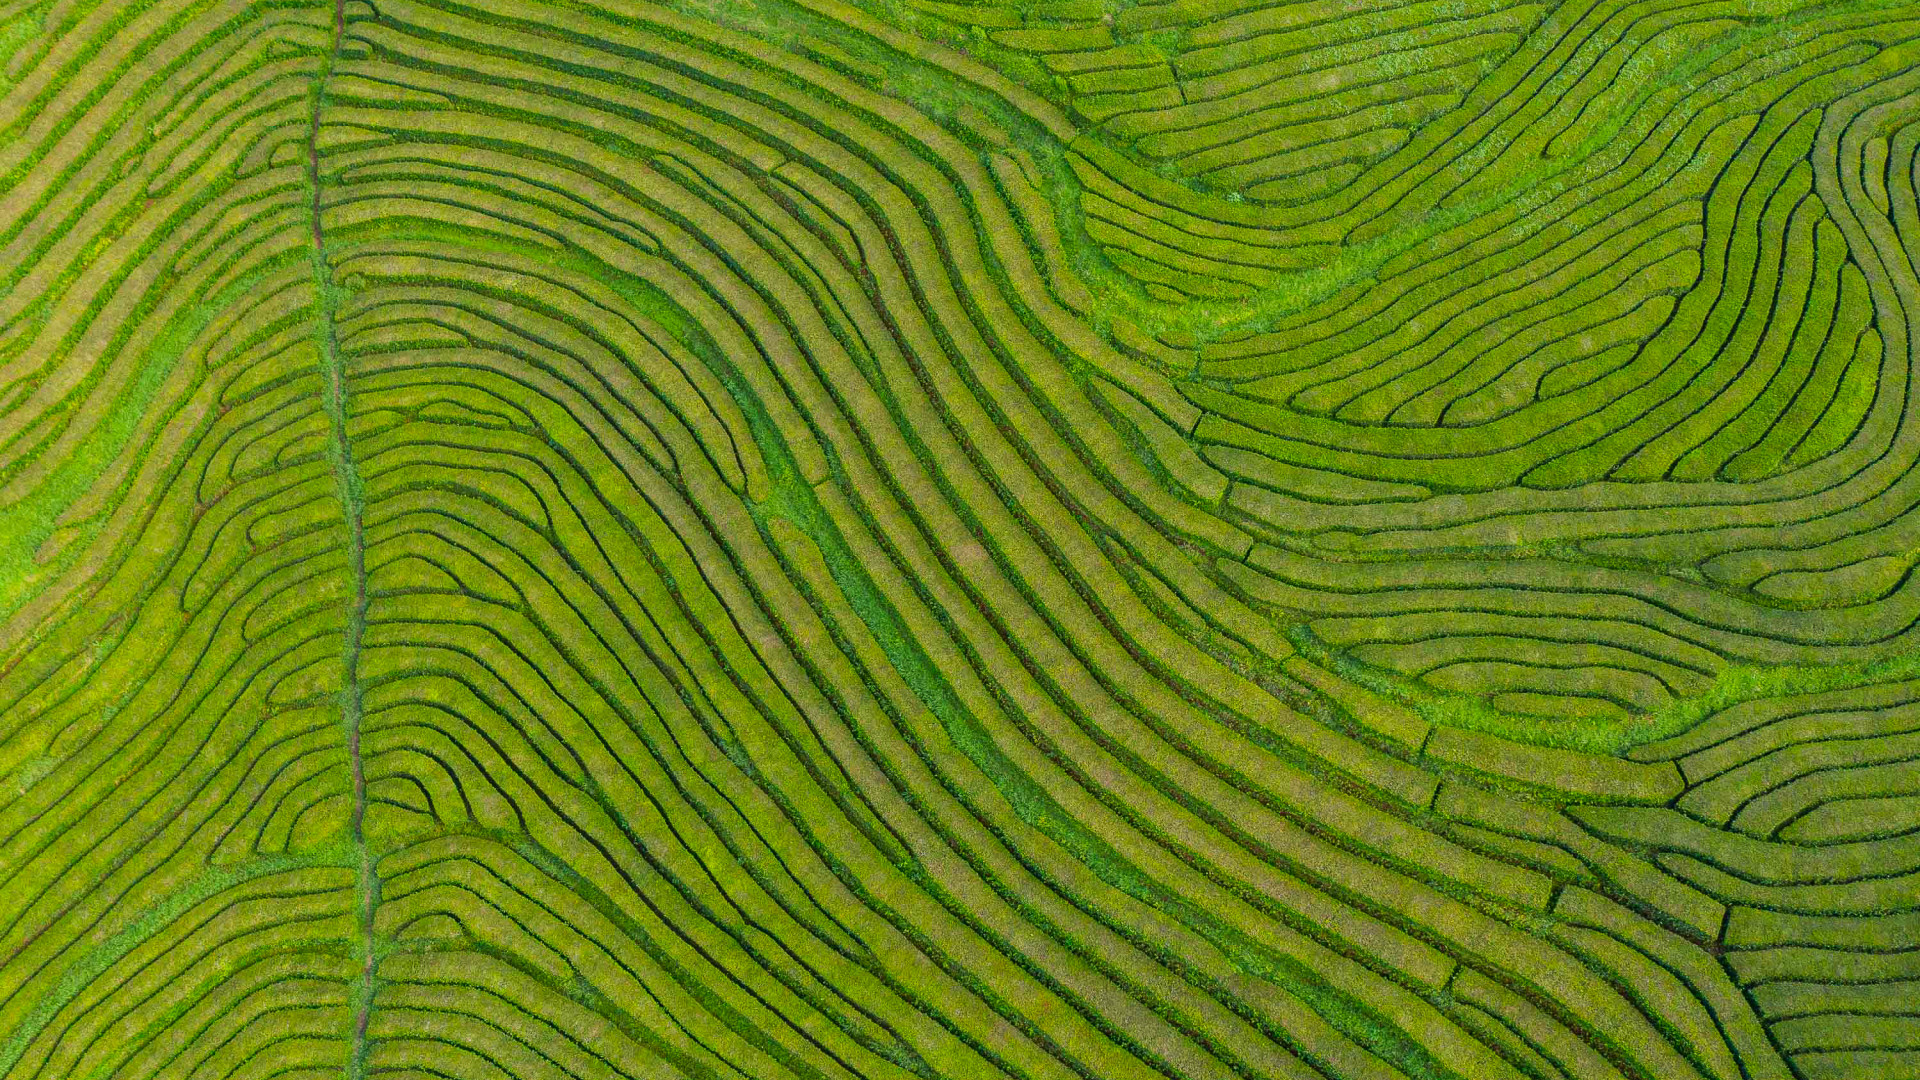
(758, 539)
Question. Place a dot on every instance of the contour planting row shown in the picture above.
(1840, 469)
(1817, 799)
(110, 255)
(171, 587)
(202, 710)
(1283, 104)
(1563, 80)
(1434, 315)
(1862, 579)
(661, 782)
(847, 526)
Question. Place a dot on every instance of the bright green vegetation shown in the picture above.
(1062, 540)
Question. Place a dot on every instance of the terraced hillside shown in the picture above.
(1059, 540)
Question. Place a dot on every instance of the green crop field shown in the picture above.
(960, 539)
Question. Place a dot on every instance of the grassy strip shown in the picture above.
(1448, 709)
(13, 37)
(157, 917)
(327, 298)
(1733, 685)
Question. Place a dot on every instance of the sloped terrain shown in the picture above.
(779, 538)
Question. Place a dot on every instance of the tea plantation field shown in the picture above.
(960, 539)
